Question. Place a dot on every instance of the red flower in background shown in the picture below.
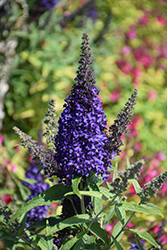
(144, 20)
(124, 66)
(161, 20)
(143, 55)
(7, 199)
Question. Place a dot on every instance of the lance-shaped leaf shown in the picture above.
(53, 194)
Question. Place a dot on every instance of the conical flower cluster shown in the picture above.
(81, 134)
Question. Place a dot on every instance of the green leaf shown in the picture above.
(69, 244)
(75, 183)
(106, 193)
(97, 204)
(80, 245)
(49, 238)
(120, 212)
(115, 171)
(150, 205)
(22, 222)
(117, 229)
(140, 208)
(39, 170)
(75, 220)
(87, 242)
(108, 216)
(136, 185)
(7, 191)
(53, 194)
(88, 193)
(118, 246)
(41, 242)
(94, 182)
(138, 242)
(100, 232)
(145, 236)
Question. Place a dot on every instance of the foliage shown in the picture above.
(128, 41)
(82, 220)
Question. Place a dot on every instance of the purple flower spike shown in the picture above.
(81, 137)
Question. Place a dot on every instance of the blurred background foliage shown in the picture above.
(39, 53)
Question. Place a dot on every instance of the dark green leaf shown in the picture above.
(75, 220)
(118, 246)
(87, 242)
(49, 196)
(70, 243)
(49, 238)
(100, 232)
(39, 170)
(41, 242)
(75, 183)
(138, 242)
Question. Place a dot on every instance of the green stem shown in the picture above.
(122, 229)
(82, 201)
(82, 205)
(109, 204)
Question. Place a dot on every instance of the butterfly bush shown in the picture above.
(81, 139)
(78, 160)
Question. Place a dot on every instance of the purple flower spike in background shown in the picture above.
(81, 134)
(39, 212)
(134, 245)
(49, 4)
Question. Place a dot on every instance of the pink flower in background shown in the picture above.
(160, 1)
(7, 199)
(114, 96)
(122, 155)
(136, 73)
(135, 122)
(108, 227)
(152, 95)
(17, 148)
(162, 66)
(131, 34)
(144, 20)
(134, 133)
(155, 163)
(126, 50)
(54, 204)
(1, 139)
(163, 190)
(160, 156)
(142, 55)
(138, 146)
(124, 66)
(13, 167)
(164, 51)
(136, 83)
(161, 20)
